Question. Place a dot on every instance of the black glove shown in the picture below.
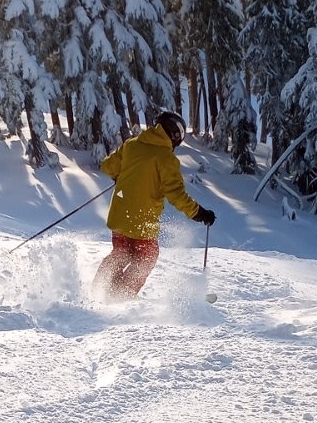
(206, 216)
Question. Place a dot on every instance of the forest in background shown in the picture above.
(111, 64)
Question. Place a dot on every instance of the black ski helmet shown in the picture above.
(174, 126)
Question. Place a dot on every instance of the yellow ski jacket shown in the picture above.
(146, 171)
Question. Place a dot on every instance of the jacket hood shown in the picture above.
(155, 136)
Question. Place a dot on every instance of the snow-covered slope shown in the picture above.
(169, 357)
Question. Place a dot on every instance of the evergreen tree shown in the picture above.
(237, 119)
(87, 58)
(148, 65)
(175, 29)
(274, 48)
(299, 97)
(25, 82)
(111, 49)
(204, 36)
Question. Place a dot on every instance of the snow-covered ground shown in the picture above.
(169, 357)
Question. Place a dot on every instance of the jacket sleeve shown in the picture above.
(111, 165)
(174, 187)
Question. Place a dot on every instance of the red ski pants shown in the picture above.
(128, 265)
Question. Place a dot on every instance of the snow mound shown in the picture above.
(15, 319)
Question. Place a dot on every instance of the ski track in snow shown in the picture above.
(171, 357)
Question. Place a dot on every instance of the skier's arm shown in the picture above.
(111, 165)
(174, 187)
(175, 192)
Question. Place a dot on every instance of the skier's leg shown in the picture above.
(110, 272)
(144, 254)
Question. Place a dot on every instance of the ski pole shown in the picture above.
(206, 246)
(61, 219)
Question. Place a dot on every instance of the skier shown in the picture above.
(146, 171)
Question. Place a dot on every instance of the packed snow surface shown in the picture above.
(169, 356)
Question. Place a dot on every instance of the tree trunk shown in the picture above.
(177, 84)
(54, 115)
(96, 126)
(96, 129)
(150, 114)
(118, 102)
(212, 92)
(196, 125)
(193, 99)
(275, 149)
(36, 149)
(248, 81)
(69, 114)
(219, 90)
(134, 117)
(263, 136)
(178, 97)
(205, 102)
(57, 137)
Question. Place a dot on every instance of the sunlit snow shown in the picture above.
(169, 357)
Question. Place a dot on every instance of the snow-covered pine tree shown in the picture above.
(149, 60)
(123, 42)
(174, 27)
(213, 26)
(187, 56)
(22, 50)
(239, 123)
(300, 95)
(52, 23)
(11, 97)
(274, 48)
(88, 57)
